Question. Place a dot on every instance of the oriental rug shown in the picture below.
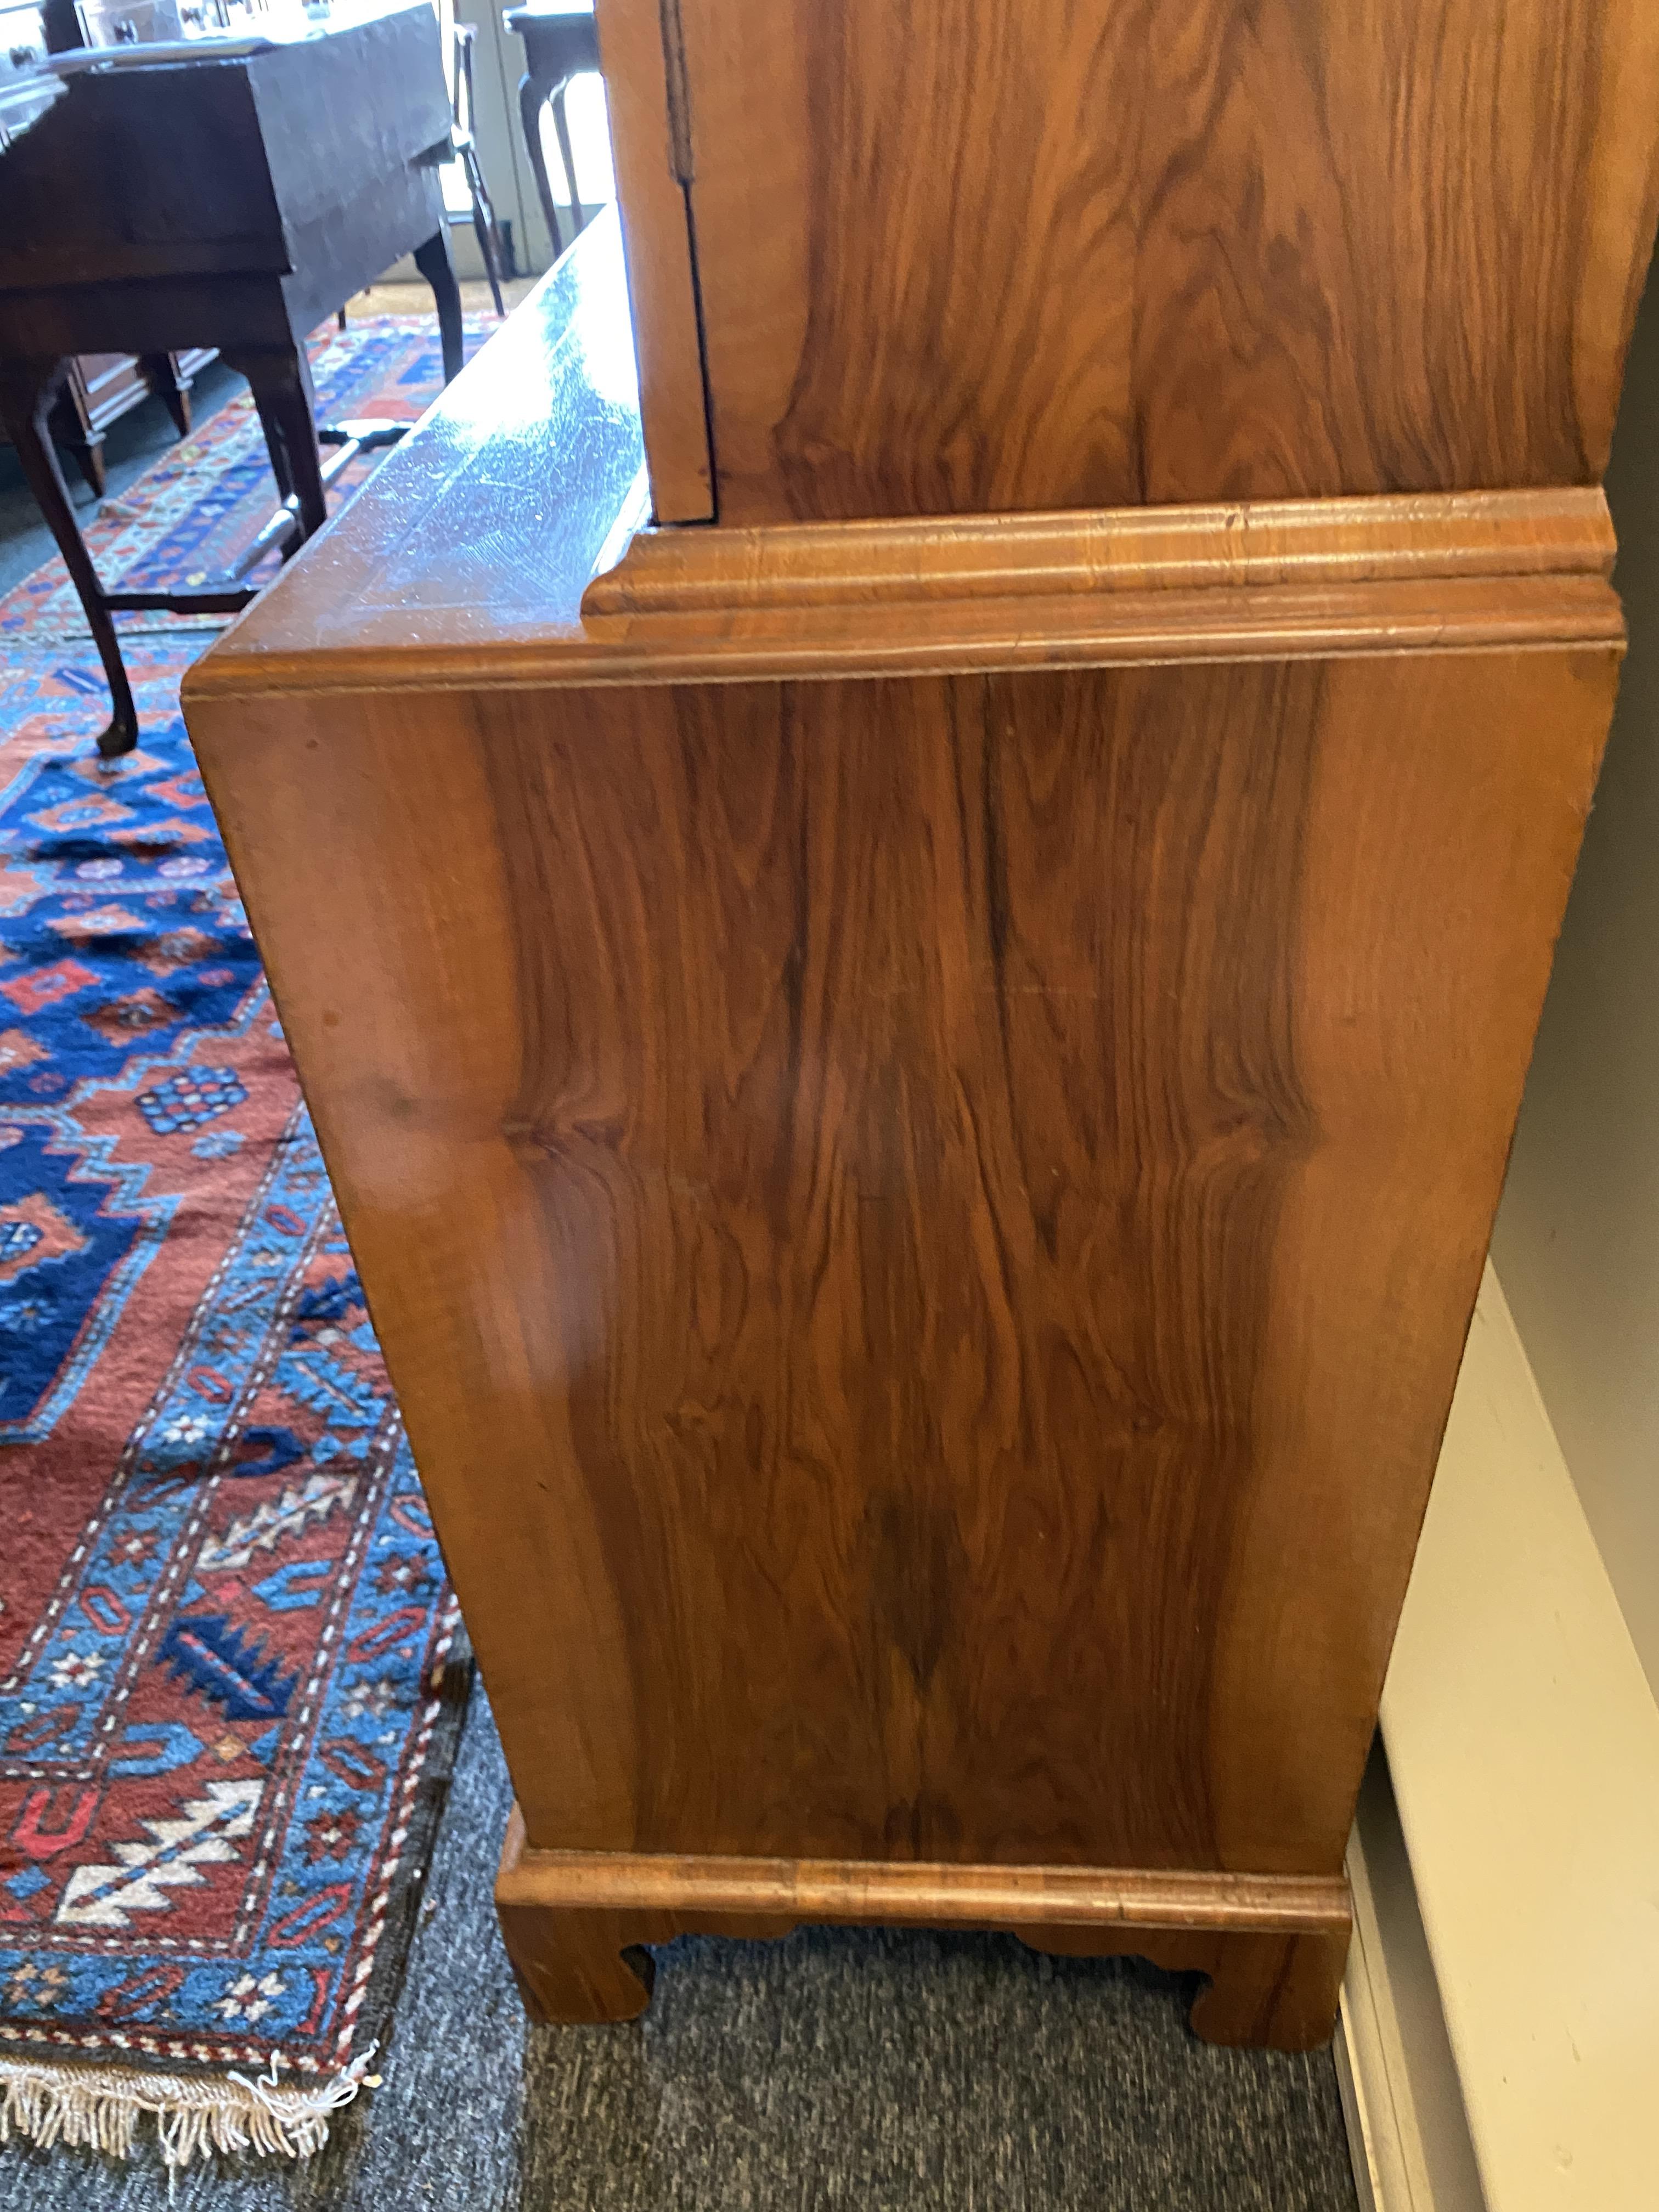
(229, 1681)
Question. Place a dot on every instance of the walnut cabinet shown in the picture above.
(914, 950)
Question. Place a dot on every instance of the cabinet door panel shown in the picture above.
(1002, 254)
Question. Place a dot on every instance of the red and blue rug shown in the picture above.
(228, 1685)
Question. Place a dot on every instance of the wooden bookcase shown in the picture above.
(918, 1068)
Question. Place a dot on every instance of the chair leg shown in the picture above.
(27, 389)
(533, 94)
(434, 262)
(562, 130)
(484, 224)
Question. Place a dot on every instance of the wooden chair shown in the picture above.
(484, 226)
(559, 43)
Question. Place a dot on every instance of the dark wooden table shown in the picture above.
(231, 197)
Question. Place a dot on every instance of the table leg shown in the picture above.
(277, 454)
(27, 391)
(277, 451)
(280, 379)
(533, 94)
(434, 262)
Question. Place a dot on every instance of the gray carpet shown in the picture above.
(883, 2073)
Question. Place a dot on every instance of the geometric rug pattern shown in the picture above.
(230, 1683)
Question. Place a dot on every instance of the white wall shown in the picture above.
(1576, 1245)
(1523, 1747)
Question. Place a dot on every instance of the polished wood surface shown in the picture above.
(1272, 1951)
(541, 452)
(1328, 543)
(538, 446)
(987, 255)
(652, 161)
(920, 1105)
(892, 1181)
(897, 1890)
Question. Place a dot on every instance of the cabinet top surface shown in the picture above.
(471, 555)
(487, 521)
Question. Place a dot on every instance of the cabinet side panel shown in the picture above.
(923, 1228)
(1439, 840)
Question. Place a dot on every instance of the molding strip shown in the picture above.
(961, 637)
(1111, 551)
(928, 1894)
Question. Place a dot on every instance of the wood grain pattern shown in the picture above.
(938, 631)
(919, 1108)
(1272, 1952)
(1007, 254)
(1264, 546)
(923, 1230)
(1294, 580)
(472, 562)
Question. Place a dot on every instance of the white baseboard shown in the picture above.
(1351, 2047)
(1401, 2097)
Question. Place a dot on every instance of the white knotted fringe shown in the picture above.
(101, 2106)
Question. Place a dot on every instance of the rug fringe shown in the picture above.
(101, 2107)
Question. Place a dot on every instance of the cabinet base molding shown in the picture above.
(1273, 1947)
